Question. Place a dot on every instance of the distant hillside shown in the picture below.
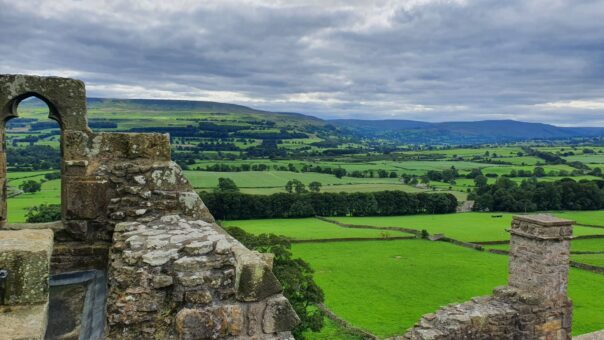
(487, 131)
(398, 131)
(188, 107)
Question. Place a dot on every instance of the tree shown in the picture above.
(539, 171)
(301, 208)
(480, 181)
(296, 186)
(30, 186)
(43, 213)
(226, 185)
(315, 186)
(339, 172)
(295, 275)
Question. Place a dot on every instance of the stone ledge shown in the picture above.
(25, 255)
(544, 220)
(24, 322)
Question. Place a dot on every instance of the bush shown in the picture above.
(30, 186)
(43, 213)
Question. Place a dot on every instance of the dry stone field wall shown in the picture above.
(128, 211)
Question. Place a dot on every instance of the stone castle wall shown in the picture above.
(129, 212)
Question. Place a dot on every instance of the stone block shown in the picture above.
(24, 322)
(254, 279)
(279, 316)
(209, 323)
(25, 255)
(85, 198)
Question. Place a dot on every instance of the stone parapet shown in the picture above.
(179, 278)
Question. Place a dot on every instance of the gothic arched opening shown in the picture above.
(33, 160)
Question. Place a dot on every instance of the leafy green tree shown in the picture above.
(301, 208)
(226, 185)
(295, 275)
(296, 186)
(539, 171)
(339, 172)
(52, 175)
(382, 173)
(43, 213)
(315, 186)
(480, 180)
(30, 186)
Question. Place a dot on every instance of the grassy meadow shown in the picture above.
(409, 278)
(306, 229)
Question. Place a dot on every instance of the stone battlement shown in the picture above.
(134, 237)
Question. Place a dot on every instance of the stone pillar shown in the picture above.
(539, 266)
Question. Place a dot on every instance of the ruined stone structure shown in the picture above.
(130, 222)
(137, 254)
(534, 305)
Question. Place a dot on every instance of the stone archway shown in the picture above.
(66, 101)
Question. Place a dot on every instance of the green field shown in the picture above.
(271, 179)
(17, 206)
(412, 277)
(469, 227)
(584, 217)
(306, 229)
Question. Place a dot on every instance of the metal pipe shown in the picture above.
(3, 276)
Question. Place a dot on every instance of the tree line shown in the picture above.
(531, 195)
(231, 205)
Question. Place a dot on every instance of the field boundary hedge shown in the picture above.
(345, 324)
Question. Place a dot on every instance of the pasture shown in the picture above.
(468, 227)
(18, 205)
(409, 278)
(306, 229)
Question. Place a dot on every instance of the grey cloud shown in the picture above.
(428, 60)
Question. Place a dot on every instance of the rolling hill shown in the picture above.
(398, 131)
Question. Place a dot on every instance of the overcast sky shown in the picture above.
(539, 61)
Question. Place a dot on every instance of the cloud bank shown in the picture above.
(432, 60)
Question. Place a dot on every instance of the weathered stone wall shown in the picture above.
(534, 305)
(178, 278)
(128, 210)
